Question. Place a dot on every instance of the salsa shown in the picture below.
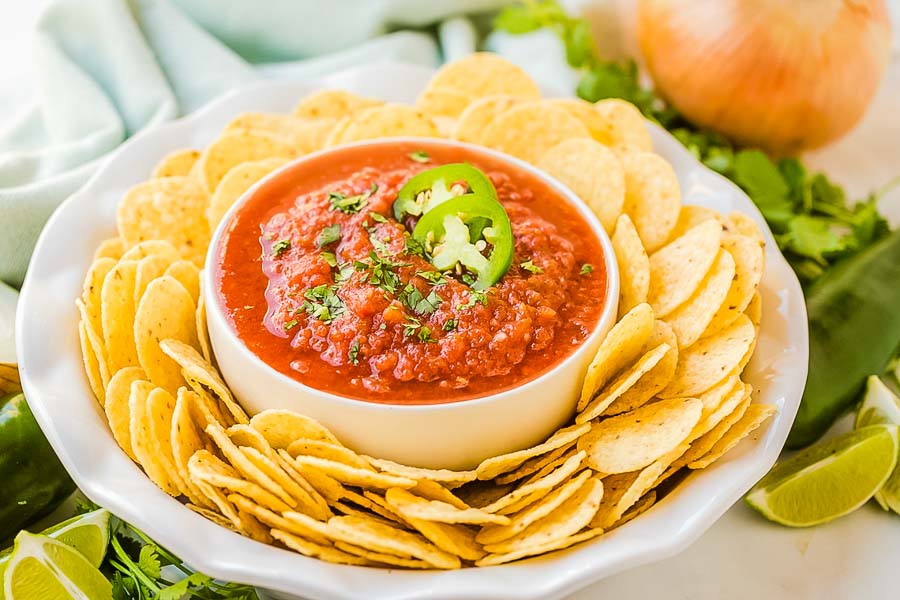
(320, 280)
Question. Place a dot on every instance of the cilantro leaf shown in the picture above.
(420, 156)
(329, 235)
(148, 561)
(280, 247)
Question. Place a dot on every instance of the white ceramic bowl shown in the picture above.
(61, 399)
(450, 435)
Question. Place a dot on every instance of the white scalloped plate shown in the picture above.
(59, 395)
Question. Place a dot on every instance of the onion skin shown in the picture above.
(781, 75)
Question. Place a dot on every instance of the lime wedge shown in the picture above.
(41, 567)
(829, 479)
(87, 533)
(881, 405)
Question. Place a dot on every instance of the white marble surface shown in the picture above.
(742, 556)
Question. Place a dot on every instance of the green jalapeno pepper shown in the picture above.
(432, 188)
(460, 230)
(854, 330)
(34, 481)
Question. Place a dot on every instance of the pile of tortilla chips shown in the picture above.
(664, 392)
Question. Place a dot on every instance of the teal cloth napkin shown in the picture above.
(106, 69)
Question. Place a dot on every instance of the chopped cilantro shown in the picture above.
(419, 156)
(380, 246)
(587, 269)
(475, 296)
(411, 326)
(414, 247)
(450, 324)
(280, 247)
(323, 303)
(425, 336)
(381, 272)
(290, 324)
(433, 277)
(330, 258)
(353, 354)
(350, 204)
(378, 217)
(529, 266)
(329, 235)
(412, 298)
(383, 326)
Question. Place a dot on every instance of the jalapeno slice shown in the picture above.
(472, 231)
(433, 187)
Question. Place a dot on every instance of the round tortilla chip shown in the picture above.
(170, 209)
(176, 164)
(593, 172)
(625, 126)
(574, 514)
(479, 114)
(621, 347)
(678, 269)
(389, 120)
(443, 102)
(328, 104)
(91, 360)
(497, 465)
(410, 506)
(143, 442)
(558, 544)
(689, 216)
(634, 440)
(148, 269)
(303, 135)
(529, 130)
(656, 379)
(118, 414)
(282, 427)
(634, 265)
(376, 536)
(233, 185)
(93, 287)
(710, 359)
(111, 248)
(150, 247)
(755, 416)
(234, 148)
(166, 311)
(117, 312)
(187, 275)
(484, 74)
(691, 319)
(652, 197)
(749, 263)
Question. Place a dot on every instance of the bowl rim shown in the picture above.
(216, 315)
(52, 374)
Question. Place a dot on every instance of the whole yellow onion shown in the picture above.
(785, 75)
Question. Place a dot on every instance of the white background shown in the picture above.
(742, 556)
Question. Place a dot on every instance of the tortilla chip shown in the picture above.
(710, 359)
(333, 104)
(148, 268)
(91, 291)
(497, 465)
(330, 451)
(201, 375)
(320, 551)
(202, 329)
(235, 183)
(471, 124)
(185, 439)
(678, 269)
(529, 130)
(558, 544)
(568, 519)
(652, 197)
(738, 222)
(533, 465)
(445, 476)
(205, 467)
(118, 413)
(176, 164)
(632, 441)
(526, 494)
(626, 129)
(351, 475)
(302, 135)
(282, 427)
(117, 313)
(634, 265)
(621, 347)
(170, 209)
(235, 148)
(689, 216)
(110, 248)
(455, 539)
(755, 416)
(187, 275)
(166, 312)
(149, 248)
(691, 319)
(445, 102)
(656, 379)
(389, 120)
(484, 74)
(643, 504)
(367, 533)
(93, 354)
(593, 172)
(410, 506)
(143, 442)
(160, 412)
(749, 262)
(705, 442)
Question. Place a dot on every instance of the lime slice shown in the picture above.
(87, 533)
(881, 405)
(41, 567)
(829, 479)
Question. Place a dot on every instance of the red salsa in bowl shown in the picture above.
(321, 276)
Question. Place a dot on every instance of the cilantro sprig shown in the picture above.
(814, 223)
